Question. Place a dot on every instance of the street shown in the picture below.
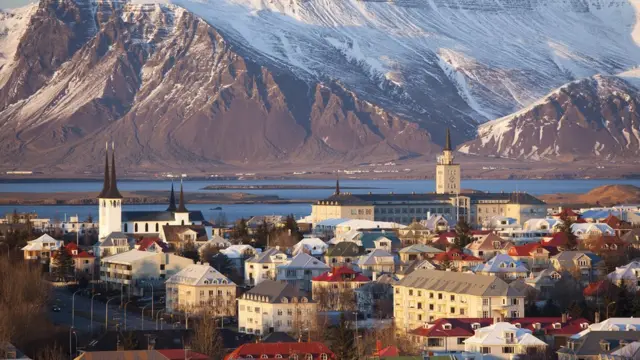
(63, 298)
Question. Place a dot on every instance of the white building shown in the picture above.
(587, 230)
(628, 276)
(41, 248)
(113, 219)
(503, 340)
(300, 270)
(134, 270)
(198, 288)
(313, 246)
(503, 266)
(238, 254)
(113, 243)
(263, 266)
(611, 324)
(377, 262)
(73, 224)
(544, 224)
(275, 306)
(501, 223)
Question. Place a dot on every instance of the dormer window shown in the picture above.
(518, 325)
(503, 265)
(536, 326)
(584, 325)
(475, 326)
(605, 346)
(557, 325)
(446, 326)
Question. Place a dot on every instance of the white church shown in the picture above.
(115, 225)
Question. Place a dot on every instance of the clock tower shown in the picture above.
(447, 173)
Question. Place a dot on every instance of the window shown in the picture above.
(485, 302)
(279, 312)
(157, 227)
(430, 295)
(485, 350)
(514, 301)
(507, 349)
(161, 266)
(431, 307)
(515, 315)
(461, 311)
(439, 296)
(485, 314)
(419, 305)
(435, 342)
(135, 227)
(452, 310)
(410, 292)
(453, 298)
(461, 341)
(146, 227)
(308, 357)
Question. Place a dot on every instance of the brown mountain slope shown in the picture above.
(172, 92)
(604, 195)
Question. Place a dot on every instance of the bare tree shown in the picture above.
(206, 338)
(53, 352)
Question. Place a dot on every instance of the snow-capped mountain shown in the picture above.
(596, 117)
(200, 82)
(171, 91)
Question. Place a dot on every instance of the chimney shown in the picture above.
(597, 317)
(564, 318)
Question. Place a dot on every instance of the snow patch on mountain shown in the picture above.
(13, 24)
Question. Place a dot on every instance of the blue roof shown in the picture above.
(368, 238)
(595, 214)
(151, 215)
(594, 258)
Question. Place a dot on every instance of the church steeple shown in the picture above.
(447, 142)
(181, 207)
(105, 185)
(337, 185)
(113, 192)
(172, 200)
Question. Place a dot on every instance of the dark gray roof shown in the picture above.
(633, 236)
(590, 343)
(278, 336)
(345, 248)
(152, 215)
(373, 199)
(265, 256)
(455, 282)
(275, 291)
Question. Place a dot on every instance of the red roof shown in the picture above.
(389, 351)
(144, 243)
(70, 248)
(461, 327)
(558, 239)
(596, 288)
(178, 354)
(341, 274)
(612, 221)
(455, 255)
(257, 350)
(567, 212)
(528, 249)
(605, 243)
(480, 232)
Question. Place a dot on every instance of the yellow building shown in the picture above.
(275, 306)
(198, 288)
(426, 295)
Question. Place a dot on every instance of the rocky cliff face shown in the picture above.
(593, 118)
(171, 91)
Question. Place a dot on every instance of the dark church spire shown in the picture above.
(113, 192)
(172, 199)
(337, 185)
(181, 207)
(447, 143)
(105, 185)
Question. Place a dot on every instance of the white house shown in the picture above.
(313, 246)
(133, 270)
(628, 276)
(114, 243)
(503, 340)
(238, 254)
(586, 230)
(545, 224)
(41, 248)
(198, 288)
(503, 266)
(300, 270)
(376, 262)
(499, 222)
(275, 306)
(263, 266)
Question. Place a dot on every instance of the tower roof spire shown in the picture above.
(113, 192)
(337, 185)
(105, 185)
(447, 142)
(181, 207)
(172, 199)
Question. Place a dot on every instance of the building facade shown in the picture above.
(426, 295)
(447, 173)
(200, 288)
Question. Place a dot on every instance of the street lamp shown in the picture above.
(91, 324)
(125, 314)
(72, 331)
(142, 317)
(106, 313)
(152, 301)
(158, 318)
(73, 308)
(611, 303)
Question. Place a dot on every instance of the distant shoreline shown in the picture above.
(285, 187)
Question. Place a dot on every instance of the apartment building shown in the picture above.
(200, 288)
(263, 266)
(426, 295)
(275, 306)
(134, 271)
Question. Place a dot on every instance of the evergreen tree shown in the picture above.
(565, 227)
(342, 338)
(550, 309)
(222, 263)
(240, 231)
(190, 251)
(532, 310)
(463, 234)
(261, 234)
(63, 264)
(624, 303)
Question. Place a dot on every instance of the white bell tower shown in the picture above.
(182, 214)
(110, 199)
(447, 173)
